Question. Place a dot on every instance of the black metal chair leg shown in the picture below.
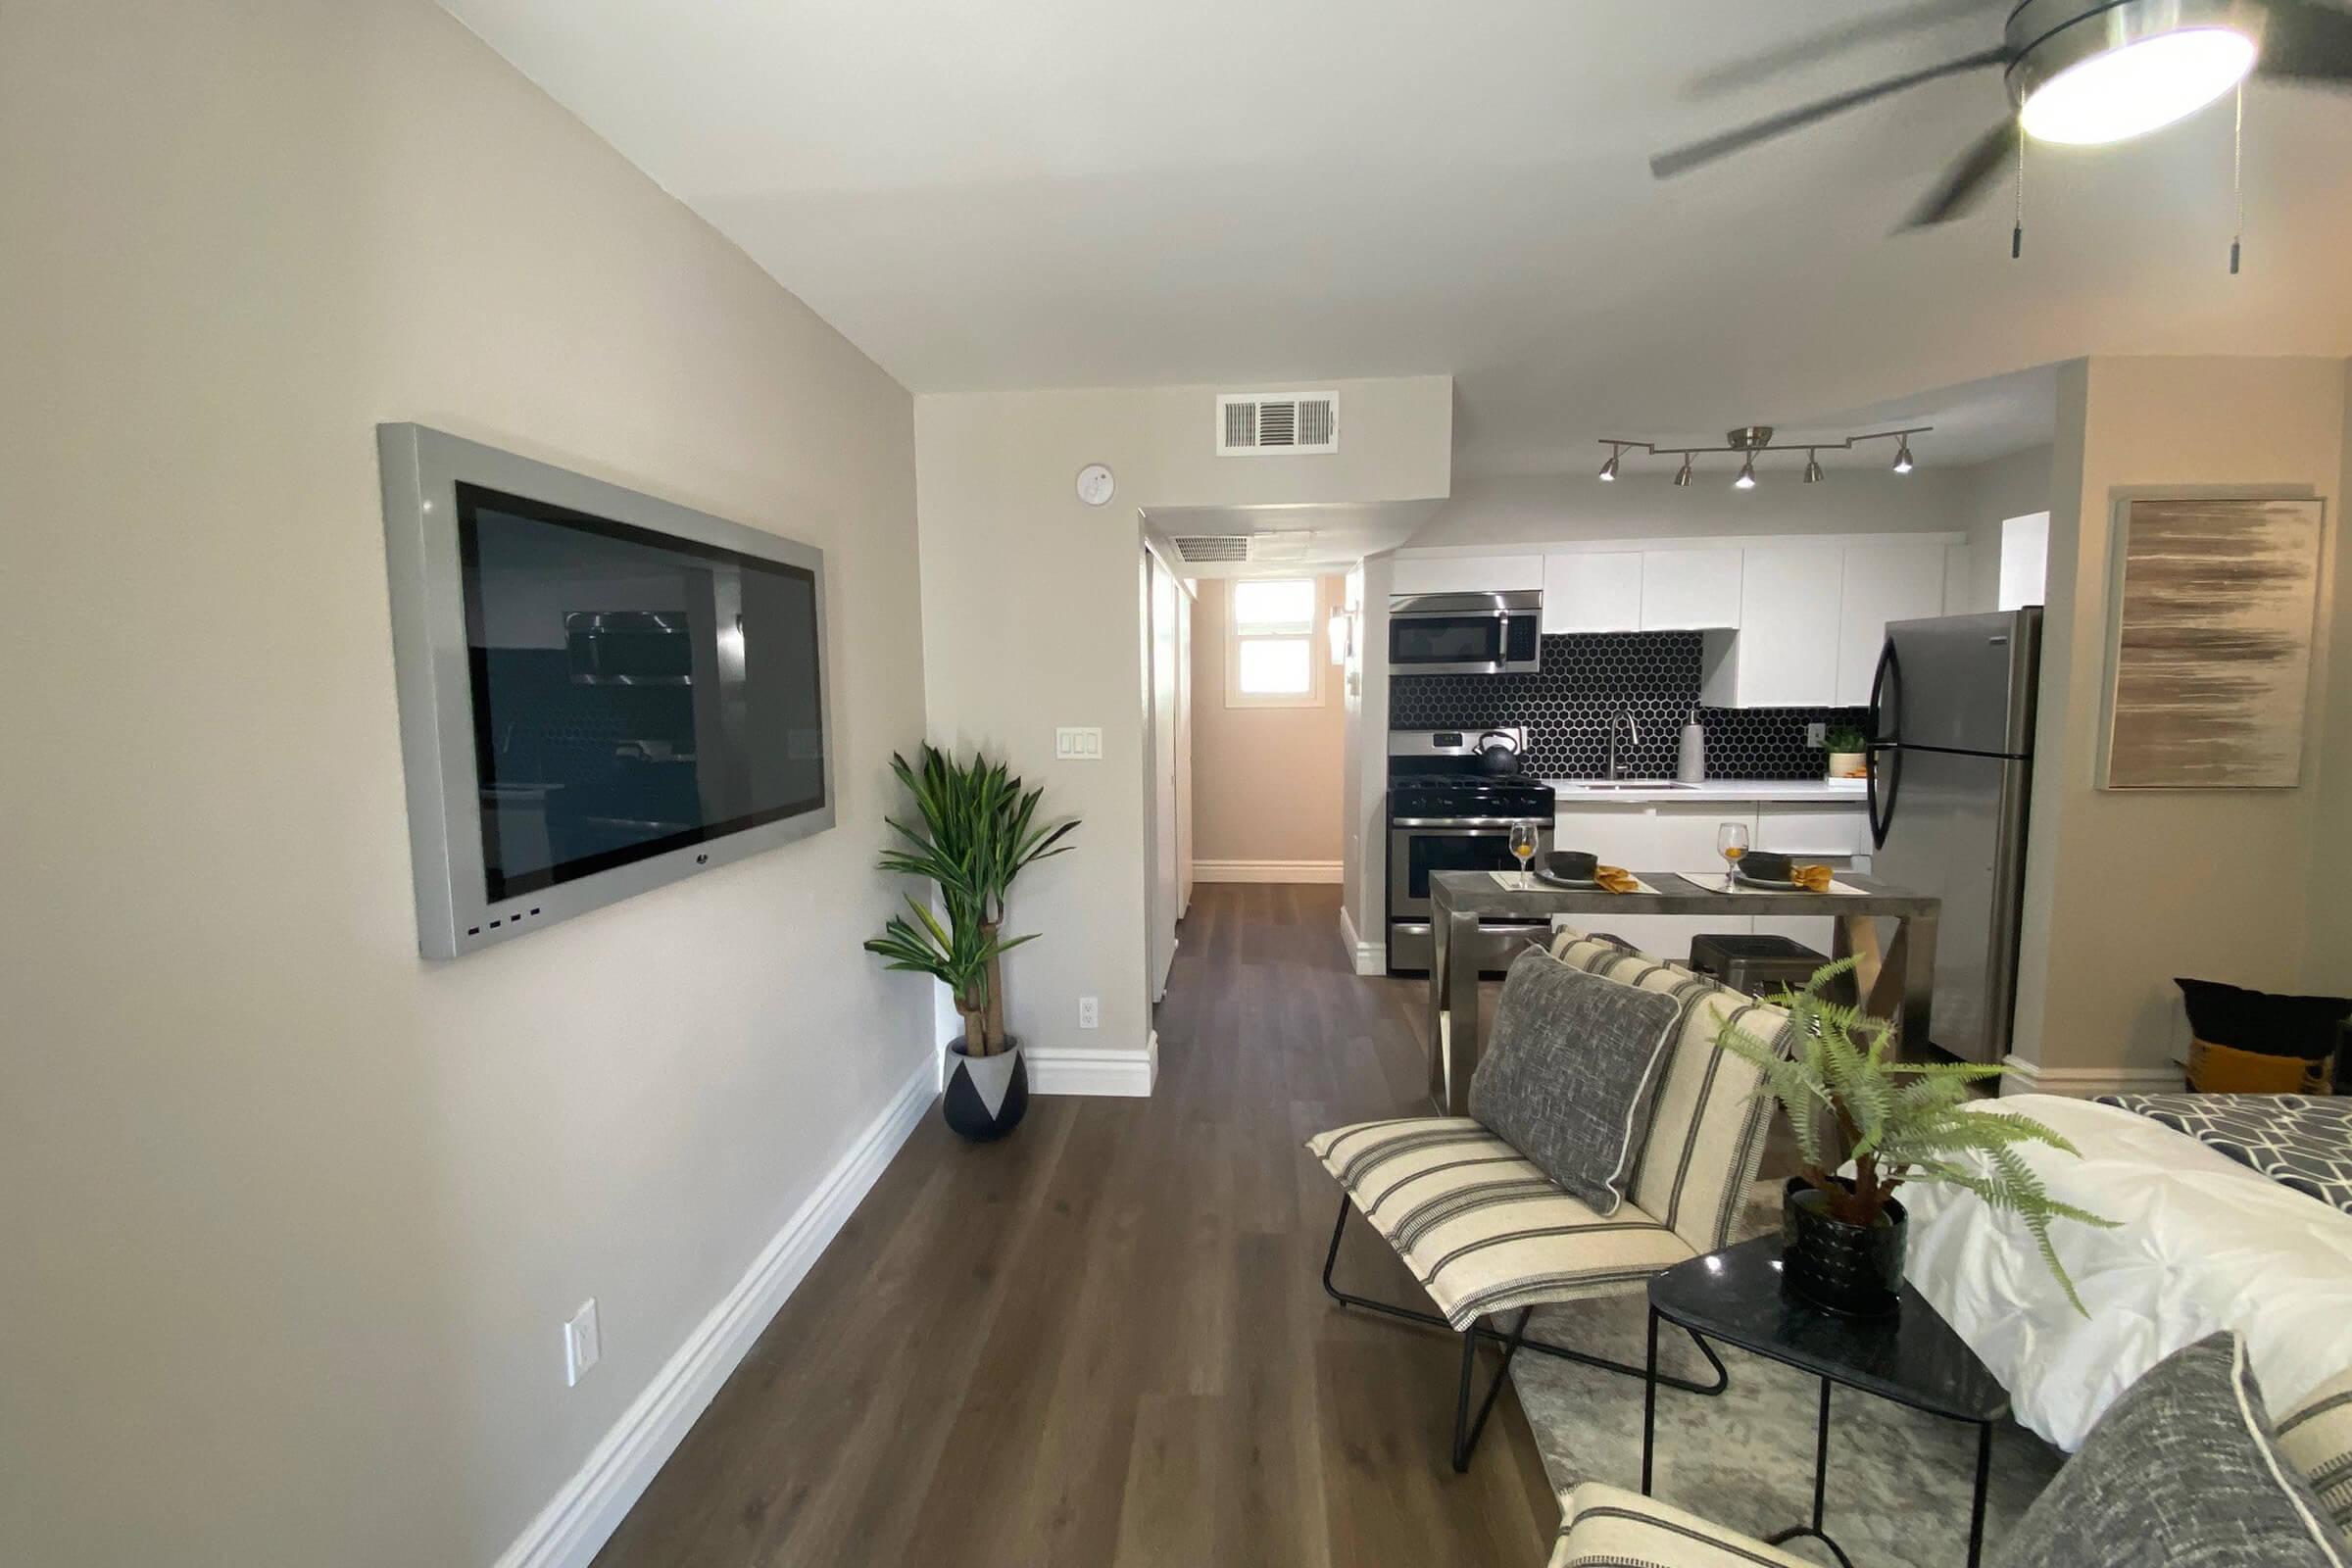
(1466, 1430)
(1668, 1380)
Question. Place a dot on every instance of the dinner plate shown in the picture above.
(1588, 885)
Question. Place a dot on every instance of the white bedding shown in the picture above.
(2205, 1243)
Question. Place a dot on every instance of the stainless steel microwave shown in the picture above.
(1465, 634)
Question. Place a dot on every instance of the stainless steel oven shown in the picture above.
(1465, 634)
(1419, 846)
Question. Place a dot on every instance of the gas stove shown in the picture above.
(1436, 799)
(1447, 814)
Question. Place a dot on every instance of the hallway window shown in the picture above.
(1270, 644)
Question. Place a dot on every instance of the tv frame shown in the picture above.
(432, 670)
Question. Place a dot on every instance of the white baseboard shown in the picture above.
(1365, 957)
(2030, 1078)
(575, 1526)
(1266, 872)
(1076, 1070)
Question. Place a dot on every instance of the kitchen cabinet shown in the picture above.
(1592, 590)
(1668, 837)
(1785, 654)
(1691, 590)
(1882, 582)
(1467, 575)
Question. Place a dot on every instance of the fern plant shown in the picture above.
(1850, 1100)
(978, 831)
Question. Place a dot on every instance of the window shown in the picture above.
(1270, 644)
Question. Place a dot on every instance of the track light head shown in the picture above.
(1902, 455)
(1608, 470)
(1748, 476)
(1812, 467)
(1681, 476)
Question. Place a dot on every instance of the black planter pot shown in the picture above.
(986, 1095)
(1855, 1270)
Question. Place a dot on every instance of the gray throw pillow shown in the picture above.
(1569, 1078)
(2181, 1471)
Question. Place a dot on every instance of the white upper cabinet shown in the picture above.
(1883, 582)
(1691, 590)
(1592, 590)
(1467, 575)
(1785, 654)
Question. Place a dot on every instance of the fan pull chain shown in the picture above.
(2017, 233)
(2238, 176)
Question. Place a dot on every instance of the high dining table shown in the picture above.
(1896, 982)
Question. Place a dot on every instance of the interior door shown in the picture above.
(1184, 749)
(1166, 898)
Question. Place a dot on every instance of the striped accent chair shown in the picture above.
(2316, 1436)
(1603, 1527)
(1486, 1232)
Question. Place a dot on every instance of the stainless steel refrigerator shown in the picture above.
(1952, 763)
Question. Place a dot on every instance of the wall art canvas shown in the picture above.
(2212, 651)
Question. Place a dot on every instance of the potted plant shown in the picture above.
(1851, 1103)
(1848, 751)
(978, 832)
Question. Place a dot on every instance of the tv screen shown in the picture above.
(600, 691)
(632, 693)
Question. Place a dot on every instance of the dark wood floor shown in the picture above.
(1102, 1340)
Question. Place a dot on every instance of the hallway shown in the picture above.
(1102, 1340)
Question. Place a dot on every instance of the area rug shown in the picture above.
(1898, 1481)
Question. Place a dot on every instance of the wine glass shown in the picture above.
(1523, 845)
(1731, 842)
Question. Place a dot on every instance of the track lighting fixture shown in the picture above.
(1751, 439)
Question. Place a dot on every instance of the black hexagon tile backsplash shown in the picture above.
(1587, 680)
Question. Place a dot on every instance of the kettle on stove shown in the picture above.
(1498, 754)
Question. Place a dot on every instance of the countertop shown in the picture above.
(1582, 792)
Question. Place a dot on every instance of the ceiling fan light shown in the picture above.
(2129, 91)
(1748, 476)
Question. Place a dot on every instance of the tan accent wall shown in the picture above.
(2126, 889)
(1266, 781)
(294, 1216)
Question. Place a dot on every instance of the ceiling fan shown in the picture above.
(2087, 71)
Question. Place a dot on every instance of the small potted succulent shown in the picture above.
(1852, 1104)
(1848, 751)
(979, 830)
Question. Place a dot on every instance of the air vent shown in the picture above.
(1214, 547)
(1256, 424)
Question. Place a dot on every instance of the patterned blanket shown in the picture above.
(2298, 1141)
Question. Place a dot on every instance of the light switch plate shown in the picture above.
(1817, 735)
(1078, 745)
(583, 1343)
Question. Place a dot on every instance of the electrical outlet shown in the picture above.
(1090, 1012)
(583, 1343)
(1078, 745)
(1817, 735)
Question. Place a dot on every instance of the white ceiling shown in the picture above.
(1056, 193)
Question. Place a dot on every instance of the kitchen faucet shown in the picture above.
(1626, 716)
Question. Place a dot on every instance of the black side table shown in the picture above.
(1911, 1356)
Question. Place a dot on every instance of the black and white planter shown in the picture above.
(1853, 1270)
(986, 1095)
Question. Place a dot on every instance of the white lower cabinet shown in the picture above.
(1666, 837)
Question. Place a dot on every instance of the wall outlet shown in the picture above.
(1090, 1012)
(1071, 745)
(583, 1343)
(1817, 735)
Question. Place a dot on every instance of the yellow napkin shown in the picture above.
(1812, 878)
(1616, 878)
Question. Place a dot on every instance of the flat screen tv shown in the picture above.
(600, 691)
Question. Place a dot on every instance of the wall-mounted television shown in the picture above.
(600, 691)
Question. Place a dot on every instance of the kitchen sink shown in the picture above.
(1633, 784)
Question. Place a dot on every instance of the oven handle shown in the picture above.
(1466, 822)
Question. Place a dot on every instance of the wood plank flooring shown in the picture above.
(1102, 1340)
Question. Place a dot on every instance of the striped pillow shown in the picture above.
(2315, 1435)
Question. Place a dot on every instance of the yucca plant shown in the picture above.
(978, 831)
(1849, 1099)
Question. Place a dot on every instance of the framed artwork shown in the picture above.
(2211, 664)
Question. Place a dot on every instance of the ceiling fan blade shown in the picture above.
(1813, 48)
(1682, 160)
(1964, 183)
(2307, 40)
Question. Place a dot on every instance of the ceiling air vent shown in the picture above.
(1204, 548)
(1258, 424)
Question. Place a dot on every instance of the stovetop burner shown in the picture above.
(1469, 797)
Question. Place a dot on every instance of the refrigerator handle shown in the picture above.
(1881, 762)
(1885, 682)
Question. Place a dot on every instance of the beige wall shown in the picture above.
(2006, 487)
(1031, 620)
(2126, 889)
(2327, 965)
(294, 1215)
(1266, 781)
